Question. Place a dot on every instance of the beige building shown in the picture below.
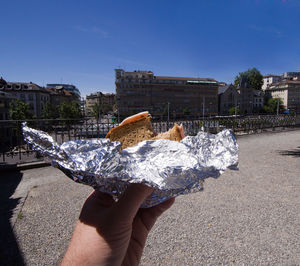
(289, 92)
(141, 90)
(105, 100)
(268, 80)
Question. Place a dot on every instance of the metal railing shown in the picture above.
(13, 149)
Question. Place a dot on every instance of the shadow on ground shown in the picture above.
(294, 152)
(10, 253)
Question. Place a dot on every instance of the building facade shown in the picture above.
(7, 134)
(244, 98)
(141, 90)
(5, 100)
(258, 100)
(71, 88)
(105, 101)
(268, 80)
(291, 76)
(30, 93)
(250, 100)
(60, 95)
(228, 98)
(289, 92)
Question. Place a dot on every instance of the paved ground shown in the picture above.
(250, 216)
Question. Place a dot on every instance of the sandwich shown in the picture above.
(137, 128)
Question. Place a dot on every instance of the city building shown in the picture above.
(30, 93)
(289, 92)
(228, 98)
(250, 100)
(71, 88)
(5, 100)
(82, 106)
(258, 100)
(222, 84)
(7, 135)
(291, 75)
(106, 102)
(59, 95)
(245, 99)
(141, 90)
(268, 80)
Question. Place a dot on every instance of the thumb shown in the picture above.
(130, 202)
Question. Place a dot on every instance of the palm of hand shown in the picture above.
(121, 226)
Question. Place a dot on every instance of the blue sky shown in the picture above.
(82, 42)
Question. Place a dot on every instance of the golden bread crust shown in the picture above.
(173, 134)
(139, 129)
(132, 133)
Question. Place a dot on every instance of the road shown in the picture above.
(250, 216)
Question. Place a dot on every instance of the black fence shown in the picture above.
(14, 150)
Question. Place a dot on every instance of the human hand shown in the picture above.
(113, 233)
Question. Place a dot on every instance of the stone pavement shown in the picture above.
(250, 216)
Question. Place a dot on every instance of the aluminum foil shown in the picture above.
(172, 168)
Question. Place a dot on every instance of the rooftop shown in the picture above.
(23, 86)
(271, 75)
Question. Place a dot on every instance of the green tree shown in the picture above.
(272, 105)
(186, 111)
(107, 108)
(234, 110)
(70, 110)
(254, 77)
(18, 110)
(96, 110)
(50, 111)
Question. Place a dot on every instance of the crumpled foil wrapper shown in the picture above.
(172, 168)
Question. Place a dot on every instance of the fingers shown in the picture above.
(159, 209)
(128, 205)
(149, 216)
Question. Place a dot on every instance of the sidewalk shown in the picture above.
(250, 216)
